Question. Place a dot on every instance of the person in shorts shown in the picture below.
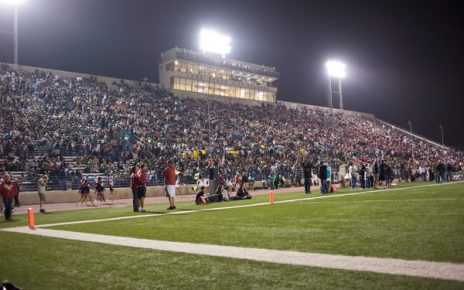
(111, 186)
(142, 190)
(41, 187)
(85, 192)
(100, 190)
(169, 174)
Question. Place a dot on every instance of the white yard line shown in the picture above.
(236, 206)
(436, 270)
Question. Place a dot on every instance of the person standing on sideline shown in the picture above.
(8, 192)
(323, 177)
(111, 186)
(169, 174)
(41, 187)
(135, 184)
(142, 191)
(18, 182)
(307, 167)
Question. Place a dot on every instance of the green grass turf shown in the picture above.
(425, 223)
(35, 262)
(81, 214)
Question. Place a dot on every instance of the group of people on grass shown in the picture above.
(99, 191)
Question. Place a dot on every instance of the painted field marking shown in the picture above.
(425, 269)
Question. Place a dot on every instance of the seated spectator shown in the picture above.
(242, 193)
(221, 194)
(201, 196)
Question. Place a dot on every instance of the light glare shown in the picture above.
(211, 41)
(15, 2)
(335, 69)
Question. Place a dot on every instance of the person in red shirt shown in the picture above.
(8, 191)
(142, 191)
(169, 174)
(135, 185)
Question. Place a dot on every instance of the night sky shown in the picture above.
(405, 59)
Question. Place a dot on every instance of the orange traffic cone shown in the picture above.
(30, 215)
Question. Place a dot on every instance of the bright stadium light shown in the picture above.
(335, 69)
(211, 41)
(16, 2)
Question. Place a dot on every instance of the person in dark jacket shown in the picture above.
(441, 172)
(322, 174)
(242, 193)
(307, 167)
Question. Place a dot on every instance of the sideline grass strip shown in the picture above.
(445, 271)
(46, 263)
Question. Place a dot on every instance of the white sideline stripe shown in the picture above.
(437, 270)
(236, 206)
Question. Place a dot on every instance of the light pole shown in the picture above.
(15, 35)
(335, 69)
(442, 138)
(410, 126)
(330, 94)
(211, 41)
(16, 4)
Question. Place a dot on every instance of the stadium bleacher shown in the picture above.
(73, 127)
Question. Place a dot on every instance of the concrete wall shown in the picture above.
(57, 196)
(72, 196)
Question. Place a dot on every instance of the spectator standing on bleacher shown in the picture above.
(41, 187)
(8, 192)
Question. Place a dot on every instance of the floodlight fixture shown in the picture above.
(335, 69)
(212, 41)
(15, 2)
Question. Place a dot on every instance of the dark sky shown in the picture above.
(405, 59)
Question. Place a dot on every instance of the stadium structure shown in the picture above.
(193, 73)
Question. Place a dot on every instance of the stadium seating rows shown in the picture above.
(67, 126)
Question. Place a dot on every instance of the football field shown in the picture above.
(408, 237)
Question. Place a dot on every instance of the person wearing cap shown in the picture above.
(41, 187)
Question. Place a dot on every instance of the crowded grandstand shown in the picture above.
(70, 127)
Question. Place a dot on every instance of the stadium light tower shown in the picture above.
(211, 41)
(336, 70)
(16, 4)
(442, 137)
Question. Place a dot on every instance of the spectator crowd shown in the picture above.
(46, 118)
